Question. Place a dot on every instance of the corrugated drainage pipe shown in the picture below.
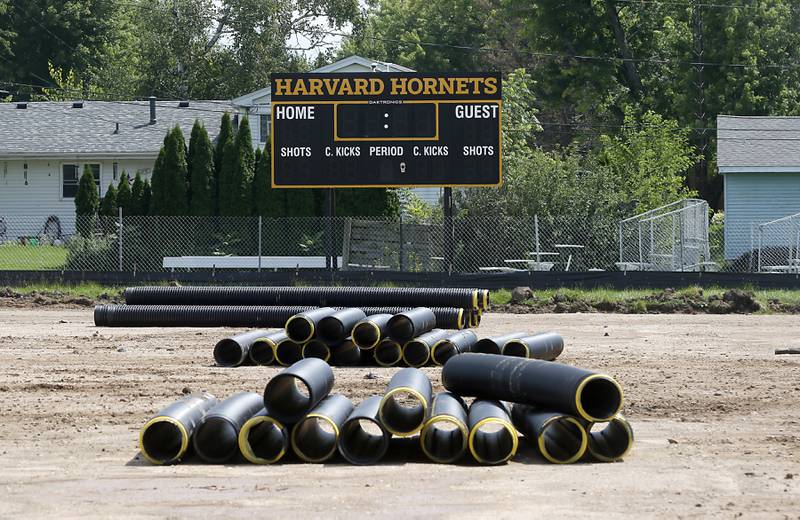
(235, 350)
(492, 437)
(404, 407)
(263, 439)
(316, 436)
(444, 436)
(363, 438)
(295, 391)
(459, 343)
(559, 438)
(164, 439)
(216, 440)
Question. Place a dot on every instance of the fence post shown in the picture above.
(620, 242)
(401, 248)
(119, 234)
(536, 239)
(259, 243)
(449, 235)
(760, 244)
(680, 230)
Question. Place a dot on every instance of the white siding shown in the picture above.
(25, 208)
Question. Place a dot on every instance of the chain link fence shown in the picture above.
(675, 238)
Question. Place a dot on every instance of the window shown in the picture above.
(263, 127)
(71, 175)
(115, 170)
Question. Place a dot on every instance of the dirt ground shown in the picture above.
(715, 412)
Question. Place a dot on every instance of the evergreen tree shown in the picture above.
(158, 183)
(108, 206)
(124, 194)
(227, 174)
(245, 169)
(87, 202)
(301, 202)
(201, 172)
(147, 197)
(225, 135)
(268, 202)
(169, 194)
(137, 193)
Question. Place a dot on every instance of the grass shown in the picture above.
(85, 289)
(19, 257)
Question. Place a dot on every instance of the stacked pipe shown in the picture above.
(553, 405)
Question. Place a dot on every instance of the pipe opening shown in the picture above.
(316, 349)
(314, 438)
(444, 439)
(401, 327)
(263, 440)
(366, 335)
(493, 441)
(562, 440)
(331, 329)
(163, 441)
(443, 351)
(216, 440)
(486, 346)
(228, 353)
(388, 353)
(610, 441)
(363, 441)
(598, 398)
(287, 352)
(299, 329)
(516, 348)
(416, 353)
(262, 352)
(403, 411)
(288, 396)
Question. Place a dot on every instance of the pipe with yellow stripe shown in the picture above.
(559, 438)
(494, 345)
(346, 354)
(460, 342)
(263, 439)
(363, 438)
(404, 406)
(417, 352)
(288, 352)
(235, 350)
(216, 439)
(295, 391)
(316, 436)
(164, 439)
(388, 353)
(492, 437)
(338, 326)
(262, 351)
(369, 332)
(409, 324)
(444, 436)
(589, 395)
(612, 442)
(546, 346)
(303, 326)
(316, 348)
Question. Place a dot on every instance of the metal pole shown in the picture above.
(680, 230)
(536, 237)
(401, 247)
(447, 201)
(330, 259)
(620, 242)
(760, 244)
(120, 239)
(259, 242)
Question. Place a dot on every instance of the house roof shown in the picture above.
(56, 129)
(350, 64)
(758, 143)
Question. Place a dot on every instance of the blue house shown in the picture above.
(759, 158)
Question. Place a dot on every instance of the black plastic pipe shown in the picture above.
(612, 442)
(554, 386)
(492, 437)
(164, 439)
(296, 390)
(235, 351)
(235, 316)
(404, 406)
(546, 346)
(363, 438)
(216, 440)
(474, 318)
(303, 326)
(338, 326)
(316, 436)
(495, 345)
(263, 439)
(316, 348)
(288, 352)
(346, 354)
(559, 438)
(311, 296)
(262, 351)
(369, 332)
(410, 324)
(459, 343)
(388, 353)
(417, 352)
(444, 436)
(483, 299)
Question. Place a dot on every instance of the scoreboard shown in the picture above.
(385, 130)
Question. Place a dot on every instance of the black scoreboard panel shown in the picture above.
(386, 129)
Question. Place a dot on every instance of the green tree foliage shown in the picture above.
(87, 202)
(124, 194)
(201, 173)
(108, 206)
(227, 181)
(169, 177)
(224, 136)
(147, 196)
(138, 206)
(268, 201)
(236, 177)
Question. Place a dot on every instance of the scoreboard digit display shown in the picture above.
(386, 130)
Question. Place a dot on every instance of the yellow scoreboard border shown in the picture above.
(499, 103)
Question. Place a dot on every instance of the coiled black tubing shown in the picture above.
(234, 315)
(311, 296)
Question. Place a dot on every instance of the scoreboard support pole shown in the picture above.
(330, 213)
(447, 202)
